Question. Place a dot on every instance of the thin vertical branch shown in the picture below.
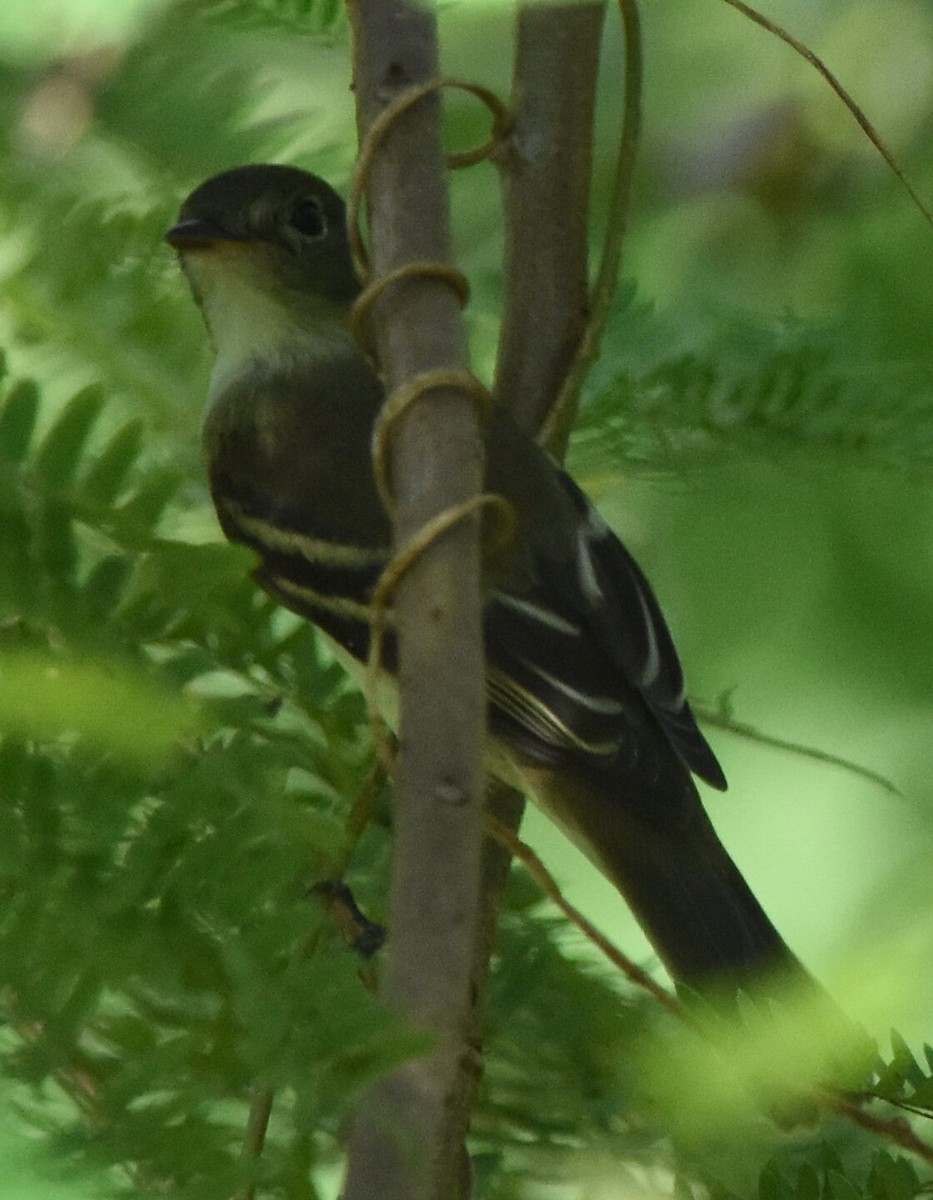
(546, 167)
(562, 416)
(406, 1142)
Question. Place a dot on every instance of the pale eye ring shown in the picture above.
(307, 217)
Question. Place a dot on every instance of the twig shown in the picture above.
(894, 1129)
(260, 1110)
(722, 720)
(548, 884)
(864, 123)
(356, 824)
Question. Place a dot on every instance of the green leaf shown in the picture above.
(922, 1095)
(124, 710)
(114, 463)
(893, 1178)
(808, 1184)
(838, 1187)
(147, 505)
(56, 539)
(105, 585)
(63, 445)
(18, 420)
(318, 17)
(772, 1185)
(904, 1061)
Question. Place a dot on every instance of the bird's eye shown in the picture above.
(308, 217)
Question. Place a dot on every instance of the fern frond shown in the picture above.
(788, 392)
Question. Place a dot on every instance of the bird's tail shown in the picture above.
(695, 907)
(712, 934)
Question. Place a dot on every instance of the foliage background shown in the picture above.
(759, 429)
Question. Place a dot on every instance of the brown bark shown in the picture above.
(406, 1143)
(546, 167)
(408, 1138)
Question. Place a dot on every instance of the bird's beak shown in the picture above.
(198, 233)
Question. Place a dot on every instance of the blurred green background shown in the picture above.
(785, 519)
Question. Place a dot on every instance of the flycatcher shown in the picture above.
(585, 688)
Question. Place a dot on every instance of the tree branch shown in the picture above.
(562, 416)
(406, 1143)
(546, 167)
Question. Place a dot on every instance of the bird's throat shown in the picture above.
(260, 329)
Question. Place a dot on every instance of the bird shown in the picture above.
(585, 690)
